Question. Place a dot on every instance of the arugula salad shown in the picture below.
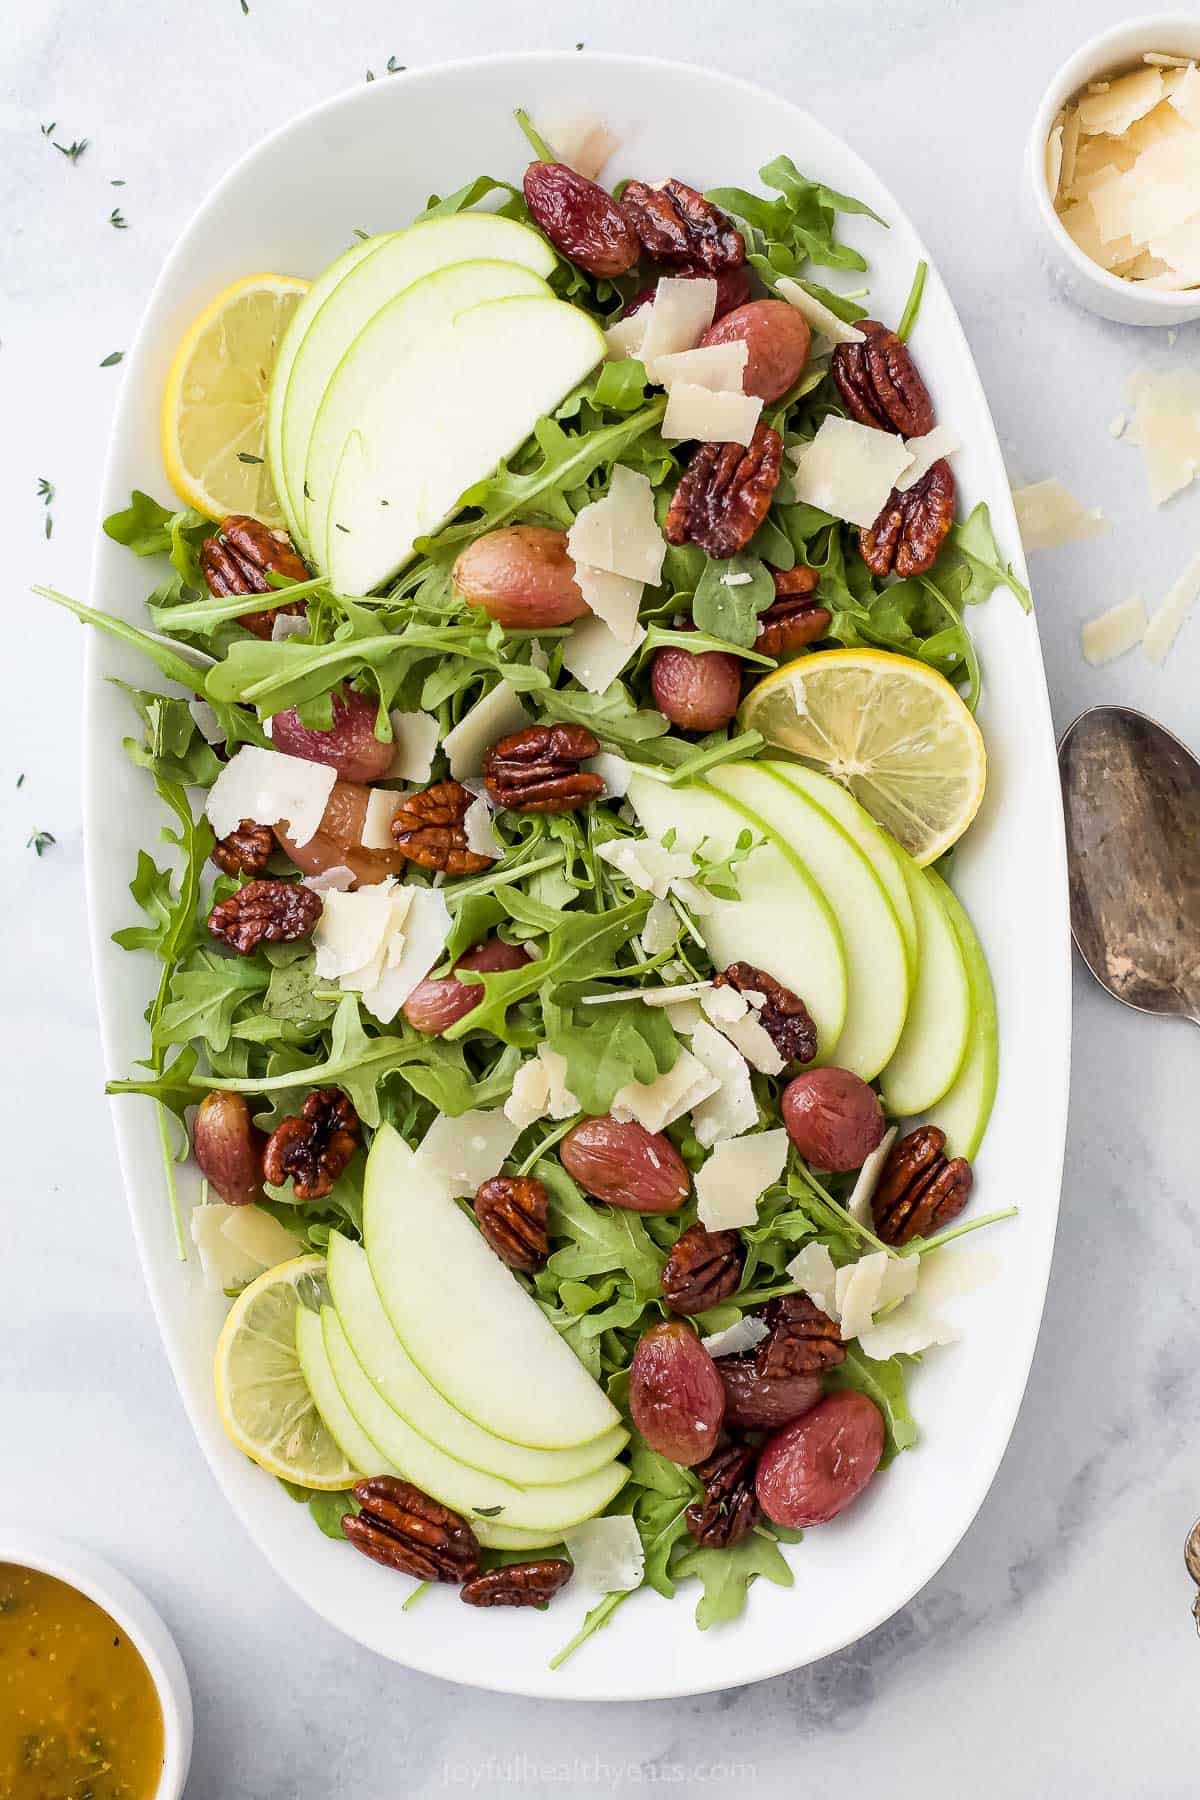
(566, 717)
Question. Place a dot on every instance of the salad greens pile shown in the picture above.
(266, 1026)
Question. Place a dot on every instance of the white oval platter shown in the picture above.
(369, 160)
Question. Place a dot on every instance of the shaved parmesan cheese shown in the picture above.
(206, 722)
(736, 1174)
(1164, 61)
(1185, 95)
(859, 1203)
(351, 932)
(871, 1283)
(822, 320)
(647, 863)
(288, 625)
(1117, 424)
(1048, 515)
(382, 806)
(560, 1100)
(339, 879)
(657, 1104)
(259, 1236)
(1070, 149)
(713, 418)
(477, 824)
(415, 738)
(814, 1274)
(1054, 158)
(912, 1328)
(410, 954)
(718, 366)
(730, 1013)
(271, 789)
(927, 450)
(580, 139)
(736, 1339)
(1080, 222)
(732, 1109)
(495, 716)
(723, 1005)
(222, 1263)
(662, 928)
(1164, 626)
(626, 337)
(850, 469)
(607, 1554)
(619, 533)
(681, 313)
(614, 772)
(1121, 102)
(612, 599)
(468, 1150)
(1179, 246)
(1112, 633)
(530, 1096)
(1166, 427)
(594, 655)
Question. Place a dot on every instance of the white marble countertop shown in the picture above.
(1054, 1654)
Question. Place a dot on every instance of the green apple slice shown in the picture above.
(876, 846)
(343, 1427)
(347, 307)
(400, 1382)
(465, 1319)
(930, 1053)
(965, 1108)
(285, 357)
(400, 337)
(469, 1491)
(435, 422)
(876, 960)
(781, 921)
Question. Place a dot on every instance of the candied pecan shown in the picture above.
(907, 535)
(313, 1147)
(512, 1217)
(793, 618)
(880, 382)
(703, 1269)
(677, 225)
(729, 1508)
(520, 1584)
(920, 1189)
(428, 830)
(580, 218)
(802, 1339)
(265, 912)
(538, 770)
(724, 493)
(404, 1529)
(237, 561)
(782, 1014)
(246, 851)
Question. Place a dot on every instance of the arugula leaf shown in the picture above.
(726, 604)
(171, 744)
(728, 1574)
(975, 543)
(582, 943)
(204, 998)
(142, 526)
(169, 662)
(616, 1045)
(602, 1238)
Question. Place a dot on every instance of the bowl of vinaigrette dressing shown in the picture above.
(94, 1698)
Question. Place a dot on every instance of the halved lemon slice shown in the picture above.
(888, 728)
(263, 1398)
(214, 419)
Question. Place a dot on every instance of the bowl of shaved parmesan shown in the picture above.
(1113, 160)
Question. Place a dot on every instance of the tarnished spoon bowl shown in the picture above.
(1131, 795)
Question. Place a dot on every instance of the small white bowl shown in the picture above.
(1125, 302)
(130, 1609)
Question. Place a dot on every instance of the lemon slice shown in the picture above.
(262, 1396)
(214, 418)
(890, 729)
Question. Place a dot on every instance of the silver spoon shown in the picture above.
(1131, 794)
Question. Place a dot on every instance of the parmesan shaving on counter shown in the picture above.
(1048, 515)
(1165, 426)
(1163, 628)
(1112, 633)
(1123, 172)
